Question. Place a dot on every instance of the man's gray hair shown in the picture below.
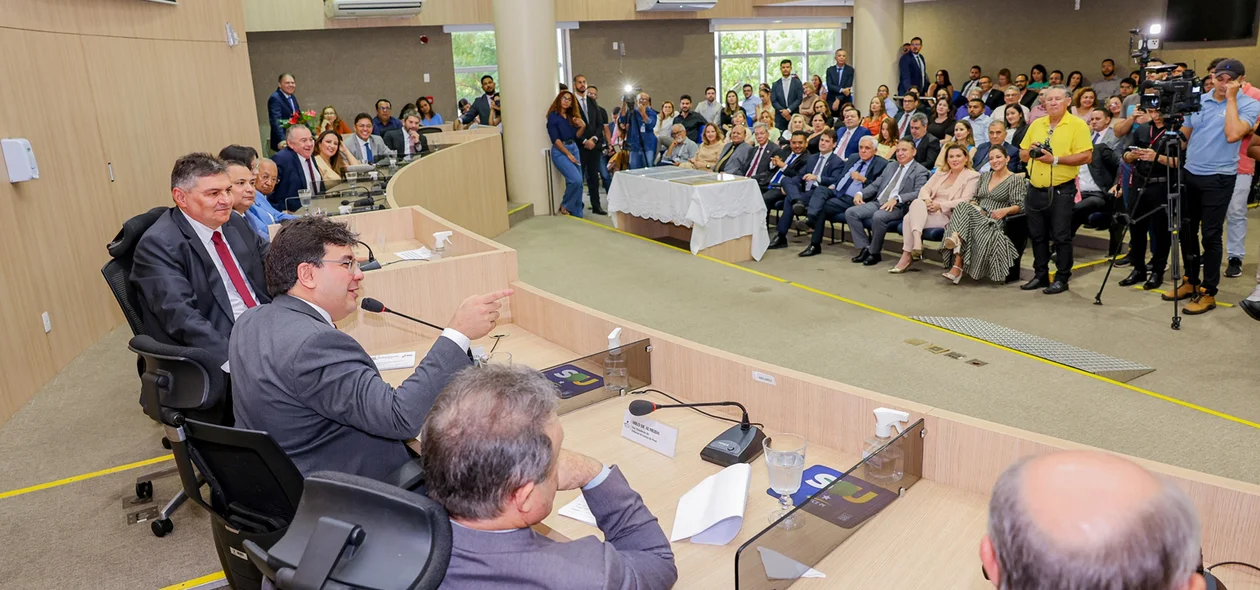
(1000, 123)
(919, 118)
(760, 125)
(486, 436)
(869, 139)
(677, 127)
(1157, 547)
(1060, 88)
(288, 133)
(194, 166)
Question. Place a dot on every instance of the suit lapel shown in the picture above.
(245, 257)
(207, 263)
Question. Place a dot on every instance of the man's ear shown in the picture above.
(989, 561)
(524, 499)
(306, 275)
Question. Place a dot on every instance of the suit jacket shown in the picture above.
(997, 98)
(634, 554)
(479, 111)
(183, 300)
(928, 149)
(1105, 166)
(836, 81)
(395, 138)
(796, 92)
(873, 170)
(982, 156)
(595, 118)
(279, 109)
(963, 189)
(740, 154)
(911, 183)
(793, 171)
(763, 172)
(831, 171)
(316, 391)
(379, 149)
(858, 133)
(289, 168)
(910, 74)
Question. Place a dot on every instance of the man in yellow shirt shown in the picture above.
(1051, 196)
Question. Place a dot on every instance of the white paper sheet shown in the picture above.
(395, 360)
(578, 510)
(781, 567)
(713, 512)
(420, 253)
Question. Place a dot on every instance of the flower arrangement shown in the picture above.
(308, 118)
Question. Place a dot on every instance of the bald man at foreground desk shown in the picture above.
(312, 387)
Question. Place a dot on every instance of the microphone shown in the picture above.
(739, 444)
(371, 264)
(371, 305)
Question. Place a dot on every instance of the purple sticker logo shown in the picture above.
(573, 381)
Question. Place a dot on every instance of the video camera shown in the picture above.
(630, 96)
(1177, 96)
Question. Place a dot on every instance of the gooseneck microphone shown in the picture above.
(371, 305)
(739, 444)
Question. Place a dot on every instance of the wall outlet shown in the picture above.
(615, 46)
(426, 77)
(47, 322)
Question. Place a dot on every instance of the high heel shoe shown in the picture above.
(954, 278)
(896, 270)
(916, 255)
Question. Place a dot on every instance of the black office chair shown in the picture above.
(254, 486)
(356, 533)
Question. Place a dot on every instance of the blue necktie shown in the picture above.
(845, 187)
(778, 176)
(367, 150)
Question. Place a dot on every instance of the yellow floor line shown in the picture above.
(193, 583)
(72, 479)
(1163, 292)
(521, 208)
(1146, 392)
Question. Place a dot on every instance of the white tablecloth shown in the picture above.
(717, 207)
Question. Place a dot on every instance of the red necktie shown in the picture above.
(314, 179)
(229, 264)
(752, 169)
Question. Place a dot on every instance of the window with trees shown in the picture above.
(475, 55)
(752, 57)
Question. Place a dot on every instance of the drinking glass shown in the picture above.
(499, 358)
(352, 177)
(785, 458)
(393, 162)
(304, 198)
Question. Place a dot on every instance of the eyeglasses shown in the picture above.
(350, 265)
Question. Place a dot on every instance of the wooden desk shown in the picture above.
(526, 347)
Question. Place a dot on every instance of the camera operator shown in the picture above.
(1151, 171)
(640, 121)
(1226, 118)
(1055, 147)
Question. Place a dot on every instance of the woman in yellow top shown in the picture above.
(710, 148)
(963, 137)
(331, 157)
(886, 141)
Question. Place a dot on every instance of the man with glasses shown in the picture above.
(384, 121)
(311, 386)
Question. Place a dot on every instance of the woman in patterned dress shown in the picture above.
(975, 241)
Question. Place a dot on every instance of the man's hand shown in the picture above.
(810, 178)
(857, 199)
(414, 135)
(576, 470)
(478, 314)
(786, 113)
(889, 206)
(1046, 158)
(777, 161)
(1231, 88)
(847, 91)
(835, 105)
(589, 143)
(855, 175)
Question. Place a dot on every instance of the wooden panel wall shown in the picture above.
(463, 184)
(93, 82)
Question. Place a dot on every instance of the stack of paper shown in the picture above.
(713, 512)
(396, 360)
(578, 510)
(420, 253)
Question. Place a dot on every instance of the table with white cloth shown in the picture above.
(720, 215)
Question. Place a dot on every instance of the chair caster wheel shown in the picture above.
(144, 490)
(161, 527)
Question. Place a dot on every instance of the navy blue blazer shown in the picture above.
(837, 81)
(858, 134)
(291, 180)
(911, 74)
(796, 92)
(279, 109)
(831, 172)
(982, 156)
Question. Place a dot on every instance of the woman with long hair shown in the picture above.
(1084, 101)
(709, 149)
(953, 184)
(328, 119)
(726, 117)
(975, 240)
(564, 125)
(1004, 78)
(796, 123)
(962, 136)
(819, 88)
(887, 139)
(768, 118)
(942, 83)
(941, 123)
(428, 117)
(1037, 77)
(1075, 81)
(331, 158)
(873, 122)
(817, 125)
(763, 92)
(1115, 106)
(663, 128)
(1016, 124)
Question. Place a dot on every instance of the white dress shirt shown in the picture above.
(205, 234)
(306, 173)
(454, 335)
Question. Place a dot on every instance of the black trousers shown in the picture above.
(836, 205)
(1050, 219)
(1204, 202)
(1150, 218)
(590, 160)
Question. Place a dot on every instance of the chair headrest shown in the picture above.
(125, 242)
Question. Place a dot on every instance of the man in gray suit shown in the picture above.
(736, 154)
(362, 143)
(884, 201)
(313, 387)
(497, 473)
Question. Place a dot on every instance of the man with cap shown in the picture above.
(1211, 165)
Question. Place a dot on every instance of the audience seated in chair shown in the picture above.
(975, 241)
(332, 157)
(736, 154)
(362, 144)
(785, 170)
(997, 138)
(961, 137)
(926, 146)
(708, 152)
(953, 184)
(297, 169)
(847, 137)
(680, 149)
(829, 203)
(759, 162)
(384, 121)
(821, 170)
(257, 212)
(407, 142)
(884, 202)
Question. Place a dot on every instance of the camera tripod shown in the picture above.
(1168, 144)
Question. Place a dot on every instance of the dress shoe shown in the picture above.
(1035, 283)
(861, 256)
(811, 250)
(1135, 276)
(798, 208)
(1234, 269)
(801, 225)
(1153, 280)
(1185, 291)
(1251, 307)
(598, 211)
(1055, 288)
(778, 241)
(1201, 303)
(1123, 262)
(872, 259)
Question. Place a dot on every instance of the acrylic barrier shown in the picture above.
(787, 550)
(585, 381)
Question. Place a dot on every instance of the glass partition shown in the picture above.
(779, 555)
(584, 381)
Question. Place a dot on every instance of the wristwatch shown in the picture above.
(1056, 161)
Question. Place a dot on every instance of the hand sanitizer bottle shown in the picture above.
(888, 466)
(442, 244)
(615, 376)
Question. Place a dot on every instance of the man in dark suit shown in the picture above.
(884, 201)
(736, 154)
(847, 137)
(479, 112)
(591, 141)
(408, 141)
(1098, 184)
(785, 95)
(859, 171)
(760, 162)
(912, 69)
(821, 170)
(311, 386)
(498, 482)
(990, 96)
(910, 104)
(927, 147)
(785, 169)
(280, 107)
(997, 137)
(839, 81)
(198, 268)
(297, 170)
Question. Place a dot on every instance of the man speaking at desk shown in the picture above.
(312, 387)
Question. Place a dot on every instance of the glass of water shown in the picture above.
(304, 198)
(785, 458)
(352, 177)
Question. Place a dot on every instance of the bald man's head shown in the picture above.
(1086, 519)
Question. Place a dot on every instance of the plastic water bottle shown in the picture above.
(616, 378)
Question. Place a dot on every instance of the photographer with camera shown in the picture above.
(1151, 163)
(640, 120)
(1225, 118)
(1055, 147)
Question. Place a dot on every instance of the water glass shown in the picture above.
(352, 177)
(499, 358)
(785, 459)
(304, 197)
(393, 162)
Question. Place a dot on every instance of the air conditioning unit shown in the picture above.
(372, 8)
(673, 5)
